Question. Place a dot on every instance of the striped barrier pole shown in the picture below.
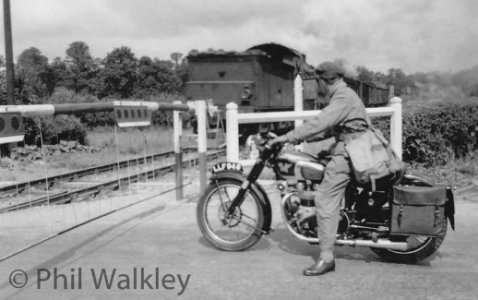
(127, 114)
(57, 109)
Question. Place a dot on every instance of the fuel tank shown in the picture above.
(294, 166)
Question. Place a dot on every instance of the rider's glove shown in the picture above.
(278, 140)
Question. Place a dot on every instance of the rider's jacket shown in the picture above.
(344, 115)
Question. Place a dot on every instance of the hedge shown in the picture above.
(434, 134)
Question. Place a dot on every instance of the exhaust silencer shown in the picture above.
(380, 243)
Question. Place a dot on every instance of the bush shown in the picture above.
(53, 130)
(163, 118)
(101, 119)
(437, 133)
(65, 96)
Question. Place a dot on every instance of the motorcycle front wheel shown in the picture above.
(419, 248)
(235, 232)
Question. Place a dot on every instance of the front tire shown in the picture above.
(230, 233)
(420, 247)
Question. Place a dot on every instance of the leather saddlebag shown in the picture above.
(372, 156)
(418, 210)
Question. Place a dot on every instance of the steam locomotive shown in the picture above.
(261, 79)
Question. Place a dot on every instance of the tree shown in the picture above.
(78, 56)
(3, 88)
(81, 68)
(148, 83)
(156, 77)
(176, 57)
(119, 73)
(33, 68)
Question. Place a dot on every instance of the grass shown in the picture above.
(132, 140)
(460, 173)
(124, 144)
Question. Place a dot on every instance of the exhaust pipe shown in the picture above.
(380, 243)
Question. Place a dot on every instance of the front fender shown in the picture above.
(256, 188)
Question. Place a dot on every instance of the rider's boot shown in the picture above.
(320, 267)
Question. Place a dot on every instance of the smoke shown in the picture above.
(351, 71)
(412, 35)
(433, 92)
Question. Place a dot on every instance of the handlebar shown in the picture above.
(261, 141)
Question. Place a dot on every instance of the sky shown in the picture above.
(414, 35)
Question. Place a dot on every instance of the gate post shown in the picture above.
(396, 126)
(202, 142)
(298, 98)
(232, 132)
(178, 155)
(298, 105)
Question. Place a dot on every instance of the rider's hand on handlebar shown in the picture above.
(278, 140)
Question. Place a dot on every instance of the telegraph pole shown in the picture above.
(5, 149)
(7, 25)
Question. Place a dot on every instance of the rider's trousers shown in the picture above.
(327, 201)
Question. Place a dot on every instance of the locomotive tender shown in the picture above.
(261, 79)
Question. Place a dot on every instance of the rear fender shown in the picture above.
(255, 187)
(450, 207)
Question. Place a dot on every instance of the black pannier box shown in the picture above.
(418, 210)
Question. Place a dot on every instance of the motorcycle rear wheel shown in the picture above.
(230, 233)
(420, 247)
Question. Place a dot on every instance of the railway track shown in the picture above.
(84, 193)
(13, 190)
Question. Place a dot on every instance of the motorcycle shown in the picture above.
(401, 217)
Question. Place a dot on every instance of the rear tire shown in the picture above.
(421, 247)
(236, 233)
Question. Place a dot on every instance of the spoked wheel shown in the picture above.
(234, 232)
(419, 248)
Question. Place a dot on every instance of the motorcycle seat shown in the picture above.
(384, 183)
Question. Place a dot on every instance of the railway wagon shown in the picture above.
(261, 79)
(372, 94)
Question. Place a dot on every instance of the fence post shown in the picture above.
(298, 105)
(178, 155)
(396, 126)
(232, 129)
(298, 98)
(202, 142)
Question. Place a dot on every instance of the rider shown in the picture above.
(344, 114)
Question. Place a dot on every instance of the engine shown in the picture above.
(302, 173)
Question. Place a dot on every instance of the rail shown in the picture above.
(17, 188)
(92, 190)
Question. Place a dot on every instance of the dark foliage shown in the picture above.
(53, 130)
(435, 134)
